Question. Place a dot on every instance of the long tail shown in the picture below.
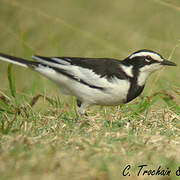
(17, 61)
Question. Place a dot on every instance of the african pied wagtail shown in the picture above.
(97, 81)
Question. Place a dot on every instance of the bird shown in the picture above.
(96, 81)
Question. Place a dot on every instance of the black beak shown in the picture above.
(168, 63)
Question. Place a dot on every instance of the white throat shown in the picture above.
(146, 71)
(143, 76)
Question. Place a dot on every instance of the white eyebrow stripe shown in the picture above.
(153, 55)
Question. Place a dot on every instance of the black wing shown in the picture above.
(105, 67)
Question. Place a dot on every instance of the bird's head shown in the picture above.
(144, 62)
(148, 61)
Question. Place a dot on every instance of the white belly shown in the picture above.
(114, 92)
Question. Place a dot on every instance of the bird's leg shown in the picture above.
(78, 103)
(81, 108)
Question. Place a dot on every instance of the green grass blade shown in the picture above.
(144, 104)
(11, 80)
(171, 103)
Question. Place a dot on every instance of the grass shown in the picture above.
(53, 145)
(41, 136)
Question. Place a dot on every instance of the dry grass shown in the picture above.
(53, 144)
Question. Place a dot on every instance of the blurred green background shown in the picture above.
(87, 28)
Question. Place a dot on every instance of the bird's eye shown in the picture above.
(148, 58)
